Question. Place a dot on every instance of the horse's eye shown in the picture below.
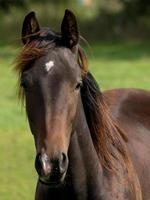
(78, 86)
(25, 84)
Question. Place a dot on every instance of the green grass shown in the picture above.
(120, 64)
(16, 144)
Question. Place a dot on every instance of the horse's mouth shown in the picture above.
(50, 183)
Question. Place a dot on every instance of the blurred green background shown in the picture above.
(118, 32)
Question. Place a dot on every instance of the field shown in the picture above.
(114, 64)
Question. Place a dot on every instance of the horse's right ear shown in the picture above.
(69, 29)
(30, 28)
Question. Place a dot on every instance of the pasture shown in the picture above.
(114, 64)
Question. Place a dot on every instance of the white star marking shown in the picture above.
(49, 65)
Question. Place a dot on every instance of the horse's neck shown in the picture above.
(89, 179)
(85, 168)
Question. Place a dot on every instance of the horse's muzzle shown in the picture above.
(51, 171)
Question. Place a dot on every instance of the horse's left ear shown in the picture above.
(69, 29)
(30, 28)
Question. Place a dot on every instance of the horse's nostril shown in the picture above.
(63, 157)
(38, 164)
(42, 164)
(46, 166)
(63, 163)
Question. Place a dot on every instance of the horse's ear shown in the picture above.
(30, 28)
(69, 29)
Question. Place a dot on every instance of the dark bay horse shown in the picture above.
(89, 145)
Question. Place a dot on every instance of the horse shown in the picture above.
(90, 145)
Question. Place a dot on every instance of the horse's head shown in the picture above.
(51, 84)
